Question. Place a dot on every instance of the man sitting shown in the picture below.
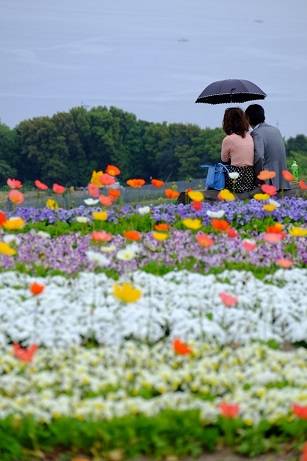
(269, 146)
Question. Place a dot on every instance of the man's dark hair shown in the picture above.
(235, 121)
(255, 114)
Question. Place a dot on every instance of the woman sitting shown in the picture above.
(238, 151)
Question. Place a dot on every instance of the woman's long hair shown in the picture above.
(235, 121)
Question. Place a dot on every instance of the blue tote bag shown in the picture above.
(216, 176)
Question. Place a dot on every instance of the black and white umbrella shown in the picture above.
(231, 90)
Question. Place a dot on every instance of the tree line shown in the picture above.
(68, 146)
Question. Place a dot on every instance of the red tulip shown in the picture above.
(58, 189)
(24, 354)
(3, 217)
(197, 206)
(232, 233)
(106, 179)
(228, 300)
(14, 183)
(229, 410)
(93, 190)
(40, 185)
(300, 411)
(268, 189)
(105, 200)
(249, 245)
(273, 237)
(302, 185)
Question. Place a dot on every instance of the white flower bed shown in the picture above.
(181, 304)
(109, 382)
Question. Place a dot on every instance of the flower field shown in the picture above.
(157, 330)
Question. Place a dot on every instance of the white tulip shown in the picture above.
(9, 238)
(144, 210)
(82, 219)
(108, 248)
(97, 258)
(91, 201)
(129, 252)
(43, 234)
(216, 214)
(274, 202)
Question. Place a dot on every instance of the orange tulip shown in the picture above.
(132, 235)
(40, 185)
(16, 197)
(204, 240)
(101, 236)
(3, 218)
(276, 228)
(157, 183)
(105, 200)
(287, 175)
(112, 170)
(304, 453)
(36, 288)
(114, 193)
(181, 348)
(229, 410)
(93, 190)
(162, 227)
(227, 299)
(14, 183)
(106, 179)
(24, 354)
(268, 189)
(136, 183)
(171, 194)
(264, 175)
(302, 185)
(58, 189)
(220, 225)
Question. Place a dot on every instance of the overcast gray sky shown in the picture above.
(152, 57)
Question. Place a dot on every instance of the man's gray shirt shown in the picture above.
(270, 153)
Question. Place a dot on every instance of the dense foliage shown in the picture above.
(69, 145)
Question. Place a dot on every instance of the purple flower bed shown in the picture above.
(292, 208)
(68, 252)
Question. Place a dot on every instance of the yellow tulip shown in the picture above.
(269, 207)
(160, 235)
(100, 215)
(126, 292)
(95, 179)
(226, 195)
(196, 196)
(298, 232)
(14, 223)
(52, 204)
(6, 249)
(193, 224)
(260, 197)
